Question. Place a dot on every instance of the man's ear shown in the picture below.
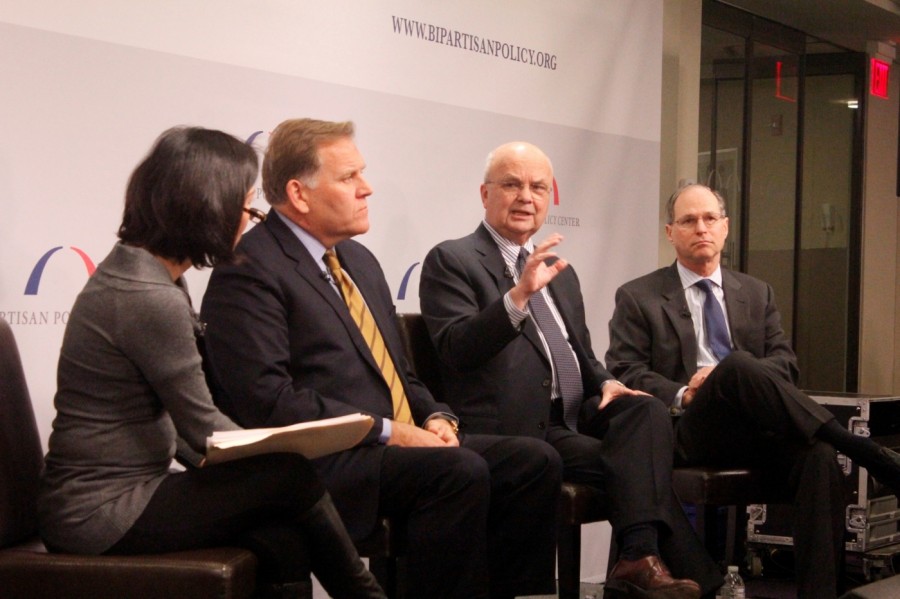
(297, 195)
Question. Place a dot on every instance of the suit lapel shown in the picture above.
(492, 261)
(738, 307)
(311, 275)
(676, 310)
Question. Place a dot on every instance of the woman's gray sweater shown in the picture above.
(129, 379)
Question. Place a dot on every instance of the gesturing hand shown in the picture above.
(537, 273)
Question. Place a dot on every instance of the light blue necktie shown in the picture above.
(714, 321)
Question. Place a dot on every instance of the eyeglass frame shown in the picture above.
(256, 215)
(709, 219)
(510, 186)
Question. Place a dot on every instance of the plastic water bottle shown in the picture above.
(734, 585)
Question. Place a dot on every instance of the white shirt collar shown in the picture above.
(508, 249)
(689, 277)
(312, 245)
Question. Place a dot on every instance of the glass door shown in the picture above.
(780, 138)
(827, 282)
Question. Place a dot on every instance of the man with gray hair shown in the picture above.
(507, 318)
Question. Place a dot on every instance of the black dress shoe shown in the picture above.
(648, 578)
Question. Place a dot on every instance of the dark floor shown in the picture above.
(757, 588)
(771, 588)
(779, 588)
(588, 591)
(777, 582)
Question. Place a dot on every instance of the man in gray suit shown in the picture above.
(708, 342)
(509, 370)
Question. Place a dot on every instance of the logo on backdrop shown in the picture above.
(34, 280)
(32, 288)
(259, 141)
(401, 293)
(560, 220)
(251, 141)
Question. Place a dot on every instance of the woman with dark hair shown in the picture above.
(130, 382)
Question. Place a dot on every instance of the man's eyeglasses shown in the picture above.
(515, 187)
(256, 215)
(690, 222)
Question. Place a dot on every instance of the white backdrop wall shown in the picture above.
(433, 86)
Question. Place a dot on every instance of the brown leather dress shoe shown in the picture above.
(648, 578)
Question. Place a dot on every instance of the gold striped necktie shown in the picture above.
(366, 323)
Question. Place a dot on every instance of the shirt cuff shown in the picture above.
(387, 425)
(516, 316)
(677, 402)
(386, 430)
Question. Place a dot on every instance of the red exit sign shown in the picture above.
(879, 73)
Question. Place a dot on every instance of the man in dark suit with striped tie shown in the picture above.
(508, 321)
(302, 327)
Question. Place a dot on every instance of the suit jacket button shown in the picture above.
(541, 426)
(545, 383)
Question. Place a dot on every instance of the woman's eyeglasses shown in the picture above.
(256, 215)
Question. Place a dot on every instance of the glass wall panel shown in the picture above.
(781, 140)
(830, 106)
(719, 164)
(770, 204)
